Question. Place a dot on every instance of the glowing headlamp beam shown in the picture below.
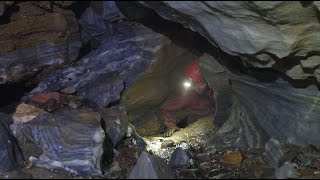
(187, 84)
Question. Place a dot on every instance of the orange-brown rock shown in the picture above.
(25, 113)
(42, 98)
(231, 158)
(31, 25)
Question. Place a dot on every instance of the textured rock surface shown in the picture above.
(107, 10)
(35, 39)
(2, 8)
(143, 97)
(179, 159)
(10, 153)
(150, 167)
(94, 26)
(258, 110)
(287, 171)
(70, 140)
(282, 35)
(116, 123)
(118, 62)
(274, 152)
(25, 113)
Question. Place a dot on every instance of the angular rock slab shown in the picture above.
(71, 140)
(115, 123)
(150, 167)
(274, 152)
(93, 26)
(10, 153)
(25, 112)
(118, 62)
(179, 159)
(107, 10)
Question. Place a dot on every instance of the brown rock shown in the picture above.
(74, 104)
(51, 105)
(42, 98)
(25, 113)
(68, 90)
(187, 174)
(231, 158)
(203, 157)
(204, 168)
(44, 4)
(8, 3)
(64, 3)
(32, 25)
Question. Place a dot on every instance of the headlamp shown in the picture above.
(187, 84)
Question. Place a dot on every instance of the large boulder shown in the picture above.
(35, 41)
(101, 75)
(70, 140)
(278, 34)
(10, 153)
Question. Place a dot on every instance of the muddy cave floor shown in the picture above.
(216, 163)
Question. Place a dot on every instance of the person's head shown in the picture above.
(192, 71)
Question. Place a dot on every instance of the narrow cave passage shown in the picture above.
(115, 104)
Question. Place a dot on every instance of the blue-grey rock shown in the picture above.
(257, 110)
(26, 62)
(273, 152)
(286, 171)
(127, 54)
(107, 10)
(93, 26)
(10, 153)
(179, 159)
(263, 33)
(115, 123)
(103, 90)
(70, 140)
(2, 8)
(150, 167)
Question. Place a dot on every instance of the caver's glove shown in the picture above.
(171, 130)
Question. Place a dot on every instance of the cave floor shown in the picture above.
(216, 163)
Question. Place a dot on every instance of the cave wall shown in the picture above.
(251, 111)
(281, 35)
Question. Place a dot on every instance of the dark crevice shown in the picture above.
(5, 18)
(12, 93)
(79, 7)
(107, 155)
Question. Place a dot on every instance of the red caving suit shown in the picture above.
(196, 102)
